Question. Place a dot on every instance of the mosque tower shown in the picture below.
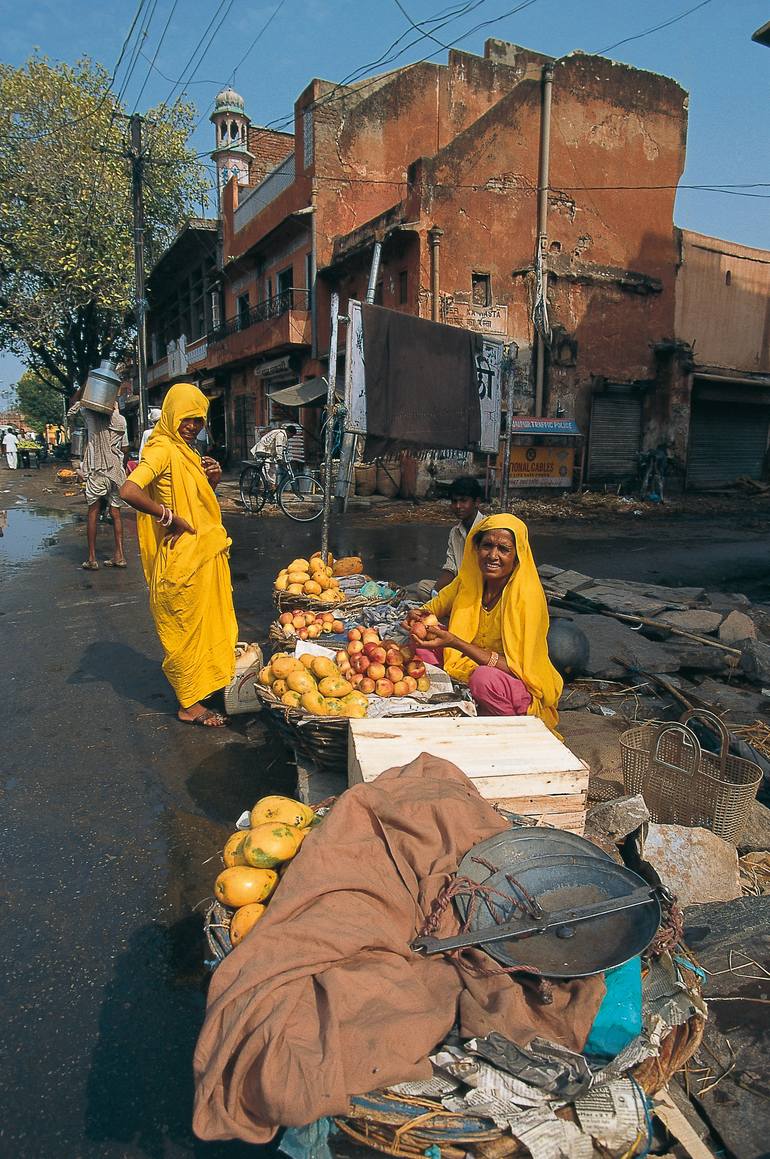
(231, 124)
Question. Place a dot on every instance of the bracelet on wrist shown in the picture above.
(162, 516)
(493, 658)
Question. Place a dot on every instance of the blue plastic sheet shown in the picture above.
(619, 1019)
(310, 1142)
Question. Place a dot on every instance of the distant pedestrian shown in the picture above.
(153, 417)
(274, 445)
(104, 467)
(11, 446)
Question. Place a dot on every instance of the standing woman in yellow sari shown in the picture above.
(496, 638)
(184, 549)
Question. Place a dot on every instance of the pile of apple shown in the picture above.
(309, 625)
(381, 667)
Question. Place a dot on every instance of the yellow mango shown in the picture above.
(314, 703)
(311, 588)
(299, 564)
(284, 810)
(353, 709)
(291, 700)
(282, 583)
(232, 854)
(295, 589)
(333, 706)
(298, 577)
(266, 676)
(282, 665)
(323, 666)
(300, 681)
(334, 686)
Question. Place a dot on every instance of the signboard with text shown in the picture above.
(542, 466)
(489, 375)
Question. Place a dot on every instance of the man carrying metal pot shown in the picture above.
(104, 468)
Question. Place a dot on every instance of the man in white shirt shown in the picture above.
(10, 446)
(153, 417)
(274, 445)
(464, 497)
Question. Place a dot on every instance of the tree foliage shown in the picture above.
(39, 402)
(66, 226)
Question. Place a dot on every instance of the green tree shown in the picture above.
(39, 402)
(66, 227)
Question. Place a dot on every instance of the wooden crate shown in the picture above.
(514, 761)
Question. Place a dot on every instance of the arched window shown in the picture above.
(223, 130)
(233, 130)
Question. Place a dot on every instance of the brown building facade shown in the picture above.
(440, 164)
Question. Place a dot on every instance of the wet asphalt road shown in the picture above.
(111, 810)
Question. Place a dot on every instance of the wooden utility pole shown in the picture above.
(329, 433)
(136, 157)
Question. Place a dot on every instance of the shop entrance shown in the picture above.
(728, 440)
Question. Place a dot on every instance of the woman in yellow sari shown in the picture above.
(498, 624)
(184, 549)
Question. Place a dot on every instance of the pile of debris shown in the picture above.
(659, 648)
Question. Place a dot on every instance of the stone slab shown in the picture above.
(608, 638)
(702, 621)
(695, 864)
(755, 663)
(614, 820)
(755, 835)
(736, 627)
(567, 581)
(741, 705)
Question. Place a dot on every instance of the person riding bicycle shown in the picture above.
(274, 447)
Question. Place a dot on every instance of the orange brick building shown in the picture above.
(440, 164)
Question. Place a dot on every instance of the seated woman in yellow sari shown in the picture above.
(498, 624)
(184, 549)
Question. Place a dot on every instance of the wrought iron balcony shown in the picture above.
(263, 312)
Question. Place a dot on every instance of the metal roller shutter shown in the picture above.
(727, 440)
(615, 436)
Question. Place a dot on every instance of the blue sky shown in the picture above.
(709, 52)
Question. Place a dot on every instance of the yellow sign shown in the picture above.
(542, 466)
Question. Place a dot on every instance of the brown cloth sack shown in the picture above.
(421, 383)
(324, 999)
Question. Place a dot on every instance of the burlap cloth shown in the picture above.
(324, 999)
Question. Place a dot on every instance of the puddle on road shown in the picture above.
(27, 532)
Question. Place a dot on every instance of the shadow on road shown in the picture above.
(140, 1086)
(132, 675)
(233, 777)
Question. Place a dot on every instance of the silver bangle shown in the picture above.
(162, 516)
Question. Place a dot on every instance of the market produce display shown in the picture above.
(254, 857)
(381, 667)
(308, 625)
(311, 577)
(313, 683)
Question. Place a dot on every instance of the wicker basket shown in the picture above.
(683, 785)
(285, 602)
(321, 740)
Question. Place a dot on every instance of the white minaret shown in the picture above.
(231, 125)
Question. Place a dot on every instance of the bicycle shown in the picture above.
(300, 497)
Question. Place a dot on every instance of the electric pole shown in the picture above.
(136, 157)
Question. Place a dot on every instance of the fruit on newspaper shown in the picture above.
(381, 667)
(310, 577)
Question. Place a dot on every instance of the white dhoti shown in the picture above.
(12, 459)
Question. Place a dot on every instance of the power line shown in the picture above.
(415, 26)
(656, 28)
(181, 81)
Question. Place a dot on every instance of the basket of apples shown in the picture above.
(380, 667)
(302, 625)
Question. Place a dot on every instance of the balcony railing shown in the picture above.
(263, 312)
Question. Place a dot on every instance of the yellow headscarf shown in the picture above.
(192, 496)
(523, 616)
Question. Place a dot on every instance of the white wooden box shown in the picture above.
(514, 761)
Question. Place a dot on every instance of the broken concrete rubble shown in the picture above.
(614, 820)
(610, 642)
(693, 863)
(755, 662)
(698, 620)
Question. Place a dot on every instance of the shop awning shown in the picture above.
(301, 393)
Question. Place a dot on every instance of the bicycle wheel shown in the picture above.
(301, 498)
(253, 489)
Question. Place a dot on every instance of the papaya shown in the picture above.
(314, 703)
(285, 810)
(323, 666)
(232, 854)
(348, 565)
(300, 681)
(240, 884)
(243, 919)
(334, 686)
(269, 844)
